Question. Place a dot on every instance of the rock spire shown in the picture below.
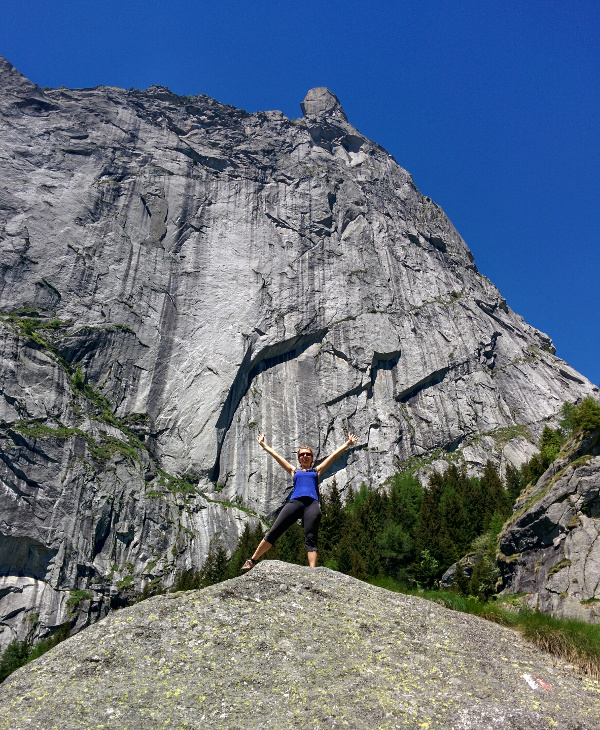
(321, 103)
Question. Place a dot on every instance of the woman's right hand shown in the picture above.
(261, 439)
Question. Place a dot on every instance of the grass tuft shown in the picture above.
(574, 641)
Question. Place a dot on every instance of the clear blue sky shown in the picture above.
(494, 108)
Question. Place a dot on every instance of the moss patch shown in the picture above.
(558, 566)
(77, 596)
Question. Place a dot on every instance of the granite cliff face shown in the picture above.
(178, 275)
(550, 550)
(287, 646)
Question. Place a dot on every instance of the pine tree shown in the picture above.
(404, 503)
(343, 555)
(372, 561)
(495, 528)
(14, 656)
(370, 515)
(533, 469)
(358, 568)
(550, 443)
(290, 547)
(351, 545)
(469, 493)
(514, 482)
(349, 497)
(454, 477)
(358, 500)
(496, 498)
(427, 531)
(474, 505)
(332, 521)
(455, 530)
(216, 563)
(188, 580)
(395, 546)
(246, 545)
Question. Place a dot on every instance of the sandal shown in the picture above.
(248, 565)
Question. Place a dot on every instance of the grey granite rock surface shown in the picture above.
(195, 275)
(287, 646)
(550, 551)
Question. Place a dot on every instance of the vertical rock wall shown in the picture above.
(178, 275)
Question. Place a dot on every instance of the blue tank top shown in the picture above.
(305, 484)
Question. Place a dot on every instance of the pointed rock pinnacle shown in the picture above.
(321, 103)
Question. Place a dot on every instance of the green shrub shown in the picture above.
(14, 656)
(550, 444)
(78, 379)
(565, 418)
(586, 415)
(77, 596)
(427, 569)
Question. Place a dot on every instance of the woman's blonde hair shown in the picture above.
(308, 449)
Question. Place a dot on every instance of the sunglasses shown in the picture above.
(304, 453)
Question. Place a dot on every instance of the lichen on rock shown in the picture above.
(288, 646)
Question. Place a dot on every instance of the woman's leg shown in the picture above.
(312, 519)
(286, 518)
(262, 548)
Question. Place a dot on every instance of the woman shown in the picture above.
(303, 502)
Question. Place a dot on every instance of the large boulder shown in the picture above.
(287, 646)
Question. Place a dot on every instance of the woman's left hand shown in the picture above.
(352, 439)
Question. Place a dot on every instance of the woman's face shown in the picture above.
(305, 457)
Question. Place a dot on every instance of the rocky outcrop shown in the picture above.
(550, 550)
(288, 646)
(467, 564)
(176, 275)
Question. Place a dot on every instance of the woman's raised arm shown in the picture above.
(279, 459)
(326, 463)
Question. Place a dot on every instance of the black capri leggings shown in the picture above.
(306, 508)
